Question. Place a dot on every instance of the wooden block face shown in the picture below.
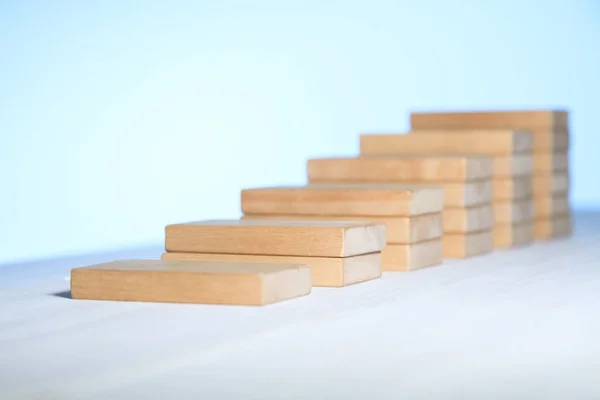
(410, 257)
(547, 162)
(550, 140)
(554, 227)
(549, 206)
(191, 282)
(463, 245)
(556, 183)
(511, 189)
(474, 142)
(396, 201)
(517, 165)
(399, 230)
(277, 237)
(516, 119)
(325, 271)
(513, 235)
(405, 169)
(473, 219)
(513, 212)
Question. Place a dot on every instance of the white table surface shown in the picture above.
(516, 324)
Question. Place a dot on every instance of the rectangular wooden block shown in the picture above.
(463, 245)
(553, 227)
(399, 230)
(277, 237)
(191, 282)
(404, 169)
(472, 219)
(547, 162)
(548, 206)
(513, 166)
(512, 212)
(462, 142)
(550, 184)
(325, 271)
(513, 235)
(510, 119)
(394, 200)
(511, 189)
(409, 257)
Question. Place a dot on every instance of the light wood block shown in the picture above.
(405, 169)
(549, 206)
(399, 230)
(511, 189)
(471, 141)
(473, 219)
(513, 235)
(556, 183)
(551, 162)
(325, 271)
(410, 257)
(512, 212)
(191, 282)
(509, 119)
(553, 227)
(397, 201)
(463, 245)
(513, 166)
(277, 237)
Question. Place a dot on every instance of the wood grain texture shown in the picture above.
(399, 230)
(510, 119)
(325, 271)
(405, 169)
(464, 245)
(512, 212)
(513, 235)
(472, 219)
(511, 189)
(396, 201)
(550, 184)
(547, 162)
(276, 237)
(516, 165)
(410, 257)
(191, 282)
(553, 227)
(549, 206)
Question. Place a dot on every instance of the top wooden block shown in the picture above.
(467, 142)
(276, 237)
(400, 169)
(390, 200)
(524, 119)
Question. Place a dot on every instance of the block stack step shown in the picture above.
(338, 253)
(551, 142)
(413, 215)
(466, 182)
(511, 181)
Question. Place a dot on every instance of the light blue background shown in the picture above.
(119, 117)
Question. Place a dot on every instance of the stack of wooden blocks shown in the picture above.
(456, 185)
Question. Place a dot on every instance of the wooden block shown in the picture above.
(325, 271)
(548, 206)
(277, 237)
(512, 212)
(399, 230)
(550, 140)
(513, 235)
(461, 142)
(551, 162)
(409, 257)
(405, 169)
(553, 227)
(511, 189)
(397, 201)
(549, 184)
(190, 282)
(473, 219)
(463, 245)
(516, 165)
(510, 119)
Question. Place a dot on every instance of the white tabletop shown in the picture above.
(516, 324)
